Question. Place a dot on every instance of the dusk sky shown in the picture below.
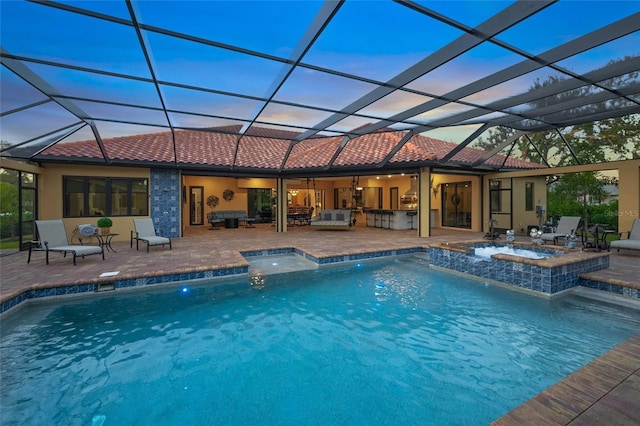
(365, 44)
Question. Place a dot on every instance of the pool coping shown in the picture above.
(126, 281)
(569, 255)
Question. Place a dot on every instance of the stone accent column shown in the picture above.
(165, 199)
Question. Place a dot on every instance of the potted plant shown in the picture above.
(104, 223)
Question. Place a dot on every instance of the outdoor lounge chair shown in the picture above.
(632, 242)
(53, 237)
(145, 231)
(566, 225)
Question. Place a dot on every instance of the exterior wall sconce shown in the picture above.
(435, 188)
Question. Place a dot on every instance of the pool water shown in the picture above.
(278, 264)
(382, 342)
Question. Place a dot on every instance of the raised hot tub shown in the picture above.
(543, 269)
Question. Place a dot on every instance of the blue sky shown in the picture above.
(375, 40)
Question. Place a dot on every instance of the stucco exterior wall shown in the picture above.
(628, 188)
(521, 217)
(169, 197)
(629, 194)
(51, 195)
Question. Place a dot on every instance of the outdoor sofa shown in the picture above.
(218, 217)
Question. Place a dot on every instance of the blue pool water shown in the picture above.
(382, 342)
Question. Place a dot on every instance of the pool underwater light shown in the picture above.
(98, 420)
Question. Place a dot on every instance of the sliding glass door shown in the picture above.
(196, 205)
(456, 205)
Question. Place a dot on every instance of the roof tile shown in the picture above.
(368, 149)
(313, 152)
(217, 147)
(205, 147)
(262, 153)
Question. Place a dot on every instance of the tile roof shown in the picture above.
(224, 147)
(368, 149)
(262, 153)
(313, 153)
(204, 147)
(422, 148)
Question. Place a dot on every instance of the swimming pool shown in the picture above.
(381, 342)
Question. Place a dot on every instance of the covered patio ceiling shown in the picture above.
(270, 85)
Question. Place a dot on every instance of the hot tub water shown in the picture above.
(487, 251)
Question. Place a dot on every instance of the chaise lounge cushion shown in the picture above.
(566, 225)
(633, 240)
(626, 244)
(54, 238)
(146, 231)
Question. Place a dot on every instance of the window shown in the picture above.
(495, 188)
(528, 196)
(119, 194)
(352, 198)
(96, 196)
(18, 208)
(260, 204)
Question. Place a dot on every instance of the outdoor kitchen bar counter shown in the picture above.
(391, 219)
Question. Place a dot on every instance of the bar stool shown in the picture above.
(390, 219)
(411, 216)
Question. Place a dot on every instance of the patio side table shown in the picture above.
(105, 241)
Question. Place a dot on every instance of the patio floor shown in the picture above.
(612, 382)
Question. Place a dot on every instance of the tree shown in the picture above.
(606, 140)
(8, 209)
(613, 139)
(574, 193)
(581, 186)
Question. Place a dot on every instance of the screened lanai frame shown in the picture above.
(283, 81)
